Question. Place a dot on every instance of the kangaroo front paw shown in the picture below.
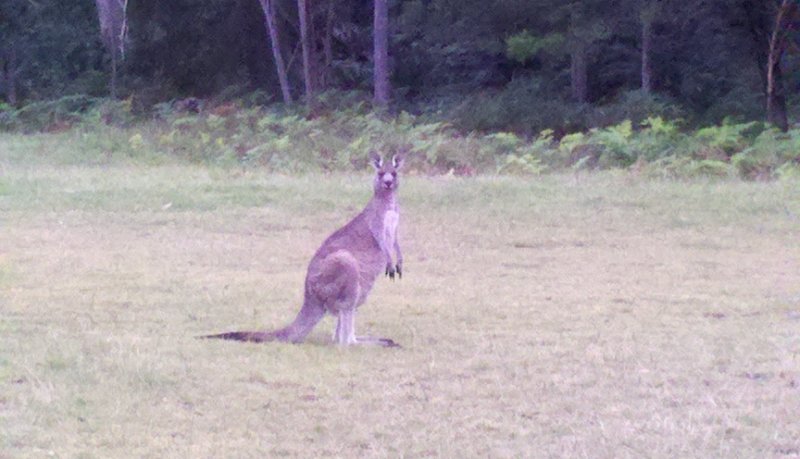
(390, 271)
(399, 269)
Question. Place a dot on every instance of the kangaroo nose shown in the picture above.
(387, 179)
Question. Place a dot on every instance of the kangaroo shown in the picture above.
(342, 271)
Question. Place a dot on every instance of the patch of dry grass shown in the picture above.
(596, 316)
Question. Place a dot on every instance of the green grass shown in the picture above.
(598, 315)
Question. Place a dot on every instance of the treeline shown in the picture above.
(518, 65)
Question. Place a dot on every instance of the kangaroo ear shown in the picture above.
(375, 160)
(397, 161)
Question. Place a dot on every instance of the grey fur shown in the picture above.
(342, 271)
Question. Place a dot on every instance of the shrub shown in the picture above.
(726, 139)
(686, 167)
(8, 117)
(523, 106)
(771, 150)
(524, 46)
(526, 106)
(659, 138)
(290, 140)
(52, 115)
(615, 143)
(524, 163)
(636, 106)
(739, 105)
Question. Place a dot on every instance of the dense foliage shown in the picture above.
(289, 141)
(510, 86)
(705, 58)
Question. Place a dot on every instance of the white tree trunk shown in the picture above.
(305, 42)
(113, 18)
(381, 53)
(268, 7)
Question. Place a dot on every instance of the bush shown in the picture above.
(288, 142)
(686, 167)
(726, 139)
(770, 151)
(636, 106)
(289, 139)
(8, 117)
(739, 105)
(617, 149)
(523, 106)
(50, 116)
(660, 138)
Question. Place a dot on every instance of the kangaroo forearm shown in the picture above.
(398, 253)
(387, 254)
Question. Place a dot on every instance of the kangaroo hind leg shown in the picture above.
(337, 286)
(345, 333)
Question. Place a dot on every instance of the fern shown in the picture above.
(727, 138)
(616, 145)
(771, 150)
(526, 164)
(504, 142)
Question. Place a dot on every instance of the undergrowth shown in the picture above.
(294, 141)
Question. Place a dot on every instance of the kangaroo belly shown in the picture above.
(390, 220)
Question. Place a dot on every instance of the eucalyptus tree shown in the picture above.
(786, 14)
(380, 32)
(113, 18)
(271, 22)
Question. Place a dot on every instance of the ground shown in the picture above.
(589, 315)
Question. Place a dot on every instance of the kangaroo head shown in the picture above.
(386, 179)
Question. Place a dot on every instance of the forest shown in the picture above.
(529, 71)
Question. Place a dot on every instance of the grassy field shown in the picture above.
(598, 315)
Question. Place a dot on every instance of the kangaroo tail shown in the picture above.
(295, 332)
(249, 336)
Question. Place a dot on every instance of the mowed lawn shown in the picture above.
(591, 315)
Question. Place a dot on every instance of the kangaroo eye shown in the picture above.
(394, 174)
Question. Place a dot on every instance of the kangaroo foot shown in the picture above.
(385, 342)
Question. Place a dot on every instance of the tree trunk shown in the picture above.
(11, 80)
(268, 6)
(8, 75)
(113, 18)
(113, 76)
(759, 26)
(647, 46)
(305, 42)
(776, 99)
(578, 74)
(327, 45)
(11, 83)
(381, 53)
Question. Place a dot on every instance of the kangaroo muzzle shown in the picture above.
(387, 180)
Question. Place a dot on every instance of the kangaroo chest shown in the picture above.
(390, 220)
